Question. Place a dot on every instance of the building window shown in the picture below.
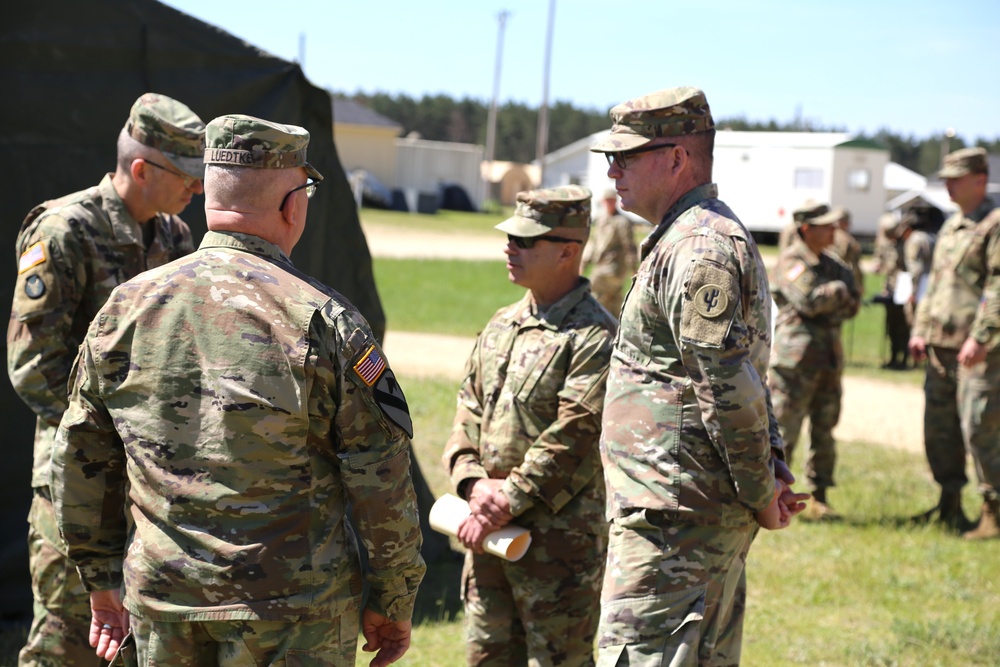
(808, 179)
(859, 179)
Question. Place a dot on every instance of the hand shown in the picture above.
(473, 530)
(390, 639)
(918, 348)
(769, 518)
(790, 503)
(972, 352)
(109, 622)
(486, 498)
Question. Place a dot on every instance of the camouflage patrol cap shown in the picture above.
(245, 141)
(540, 211)
(965, 161)
(170, 127)
(666, 113)
(816, 214)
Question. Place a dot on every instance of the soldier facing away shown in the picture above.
(815, 292)
(72, 252)
(611, 251)
(957, 330)
(691, 450)
(524, 446)
(231, 407)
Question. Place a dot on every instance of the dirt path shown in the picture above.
(875, 411)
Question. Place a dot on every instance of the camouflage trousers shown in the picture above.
(60, 631)
(674, 593)
(816, 393)
(538, 611)
(607, 289)
(330, 642)
(962, 413)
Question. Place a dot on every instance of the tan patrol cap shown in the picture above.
(170, 127)
(666, 113)
(965, 161)
(540, 211)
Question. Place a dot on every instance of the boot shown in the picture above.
(818, 509)
(948, 512)
(989, 522)
(951, 515)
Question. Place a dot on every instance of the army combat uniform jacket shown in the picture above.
(71, 253)
(688, 427)
(529, 411)
(963, 291)
(815, 294)
(234, 406)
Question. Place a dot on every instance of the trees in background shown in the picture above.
(441, 118)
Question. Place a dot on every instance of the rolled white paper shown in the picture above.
(509, 543)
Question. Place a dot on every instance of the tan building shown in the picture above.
(365, 140)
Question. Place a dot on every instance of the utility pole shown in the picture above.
(302, 51)
(491, 122)
(542, 139)
(946, 144)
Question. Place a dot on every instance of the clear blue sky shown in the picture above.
(914, 66)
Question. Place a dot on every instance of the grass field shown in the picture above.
(870, 590)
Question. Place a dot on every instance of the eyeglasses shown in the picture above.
(310, 188)
(619, 158)
(188, 180)
(526, 242)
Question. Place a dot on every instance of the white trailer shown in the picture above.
(764, 176)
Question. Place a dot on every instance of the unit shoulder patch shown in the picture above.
(708, 306)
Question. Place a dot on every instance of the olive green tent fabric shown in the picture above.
(70, 71)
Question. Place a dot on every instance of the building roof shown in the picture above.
(352, 113)
(898, 178)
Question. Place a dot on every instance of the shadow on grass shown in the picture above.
(439, 597)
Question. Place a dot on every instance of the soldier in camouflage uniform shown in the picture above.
(845, 247)
(815, 292)
(231, 407)
(72, 252)
(611, 251)
(524, 446)
(917, 240)
(691, 451)
(957, 330)
(889, 262)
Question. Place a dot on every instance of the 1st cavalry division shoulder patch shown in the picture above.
(372, 369)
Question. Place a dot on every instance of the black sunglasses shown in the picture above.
(310, 188)
(526, 242)
(620, 157)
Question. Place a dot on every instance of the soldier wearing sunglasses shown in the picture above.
(524, 445)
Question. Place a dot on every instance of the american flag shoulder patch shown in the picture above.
(33, 256)
(370, 366)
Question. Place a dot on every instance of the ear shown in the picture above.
(290, 210)
(680, 159)
(138, 170)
